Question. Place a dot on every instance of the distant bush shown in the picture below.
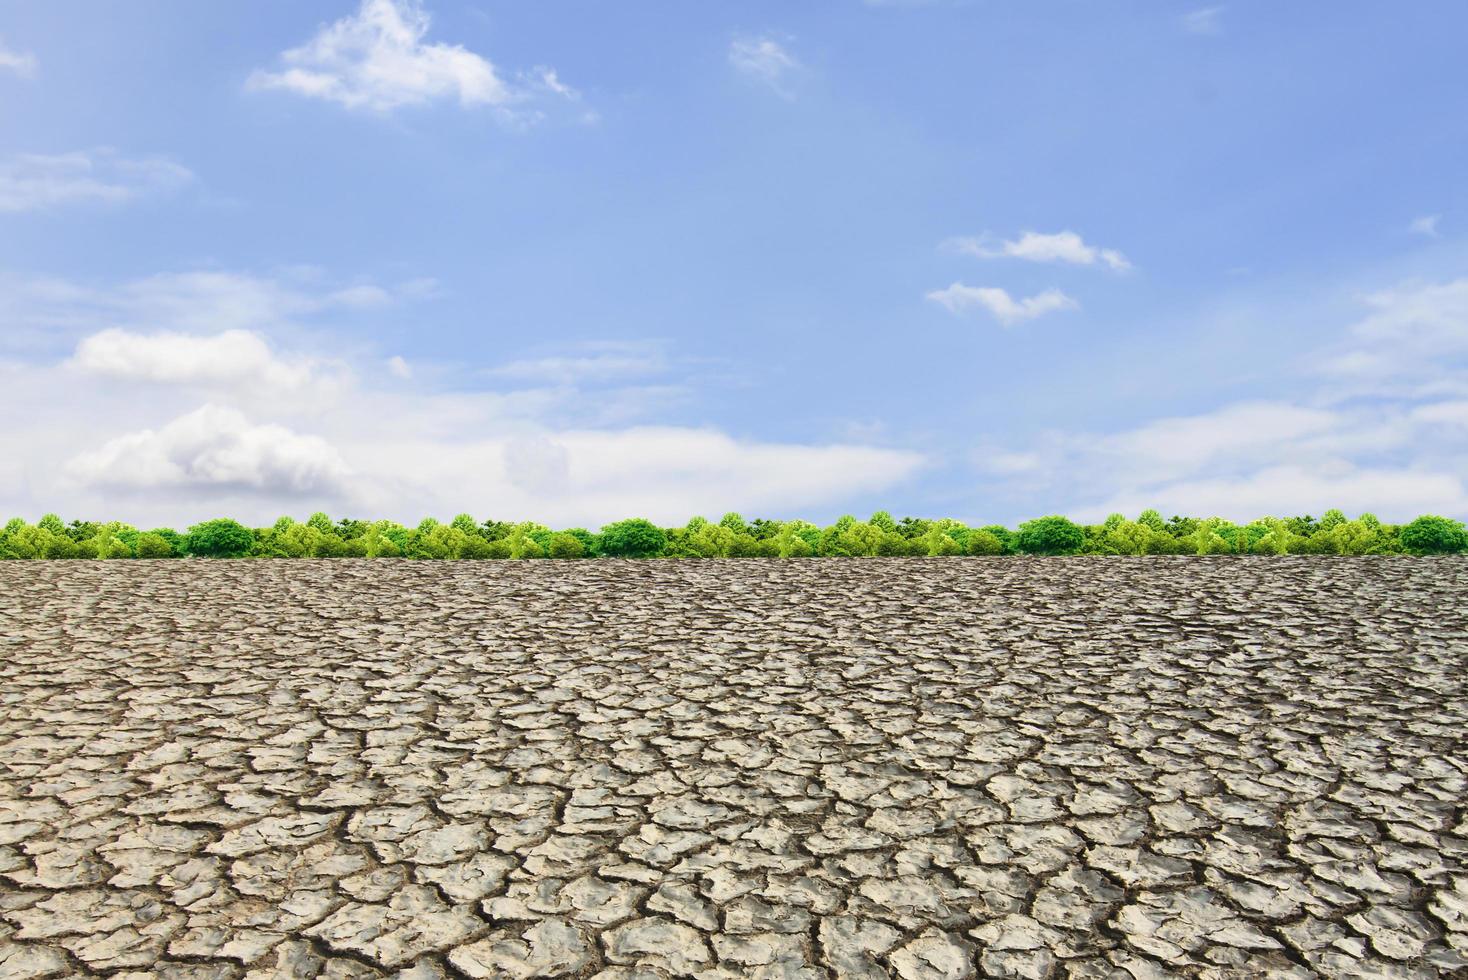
(1054, 535)
(733, 536)
(1431, 535)
(635, 538)
(219, 538)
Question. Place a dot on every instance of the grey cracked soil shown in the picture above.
(914, 768)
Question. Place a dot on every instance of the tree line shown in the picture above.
(734, 537)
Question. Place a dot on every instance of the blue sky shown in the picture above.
(572, 261)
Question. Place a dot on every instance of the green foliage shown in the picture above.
(1433, 535)
(634, 538)
(565, 545)
(1053, 535)
(981, 542)
(154, 545)
(884, 522)
(219, 538)
(734, 522)
(734, 537)
(1005, 535)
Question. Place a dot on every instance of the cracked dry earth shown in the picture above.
(824, 768)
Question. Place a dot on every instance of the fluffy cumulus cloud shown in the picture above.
(379, 58)
(1383, 426)
(959, 298)
(215, 449)
(1032, 246)
(766, 61)
(22, 63)
(32, 181)
(232, 357)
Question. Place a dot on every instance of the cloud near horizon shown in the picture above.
(1381, 426)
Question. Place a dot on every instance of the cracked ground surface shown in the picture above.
(824, 768)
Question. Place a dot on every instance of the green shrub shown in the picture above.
(566, 546)
(219, 538)
(154, 545)
(634, 538)
(1053, 535)
(1433, 535)
(983, 542)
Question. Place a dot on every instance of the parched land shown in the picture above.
(823, 768)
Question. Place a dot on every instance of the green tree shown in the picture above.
(51, 524)
(320, 522)
(153, 545)
(633, 538)
(982, 542)
(467, 524)
(1433, 535)
(1005, 535)
(734, 522)
(883, 521)
(565, 545)
(1053, 535)
(219, 538)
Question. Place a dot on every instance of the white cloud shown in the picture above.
(43, 312)
(590, 363)
(23, 63)
(32, 181)
(1383, 426)
(1391, 493)
(1413, 340)
(379, 59)
(569, 444)
(214, 449)
(1031, 246)
(1426, 225)
(399, 368)
(1204, 20)
(765, 60)
(959, 298)
(233, 357)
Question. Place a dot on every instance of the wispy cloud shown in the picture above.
(1032, 246)
(23, 63)
(1378, 423)
(34, 181)
(379, 59)
(595, 363)
(1204, 20)
(766, 61)
(959, 298)
(1426, 225)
